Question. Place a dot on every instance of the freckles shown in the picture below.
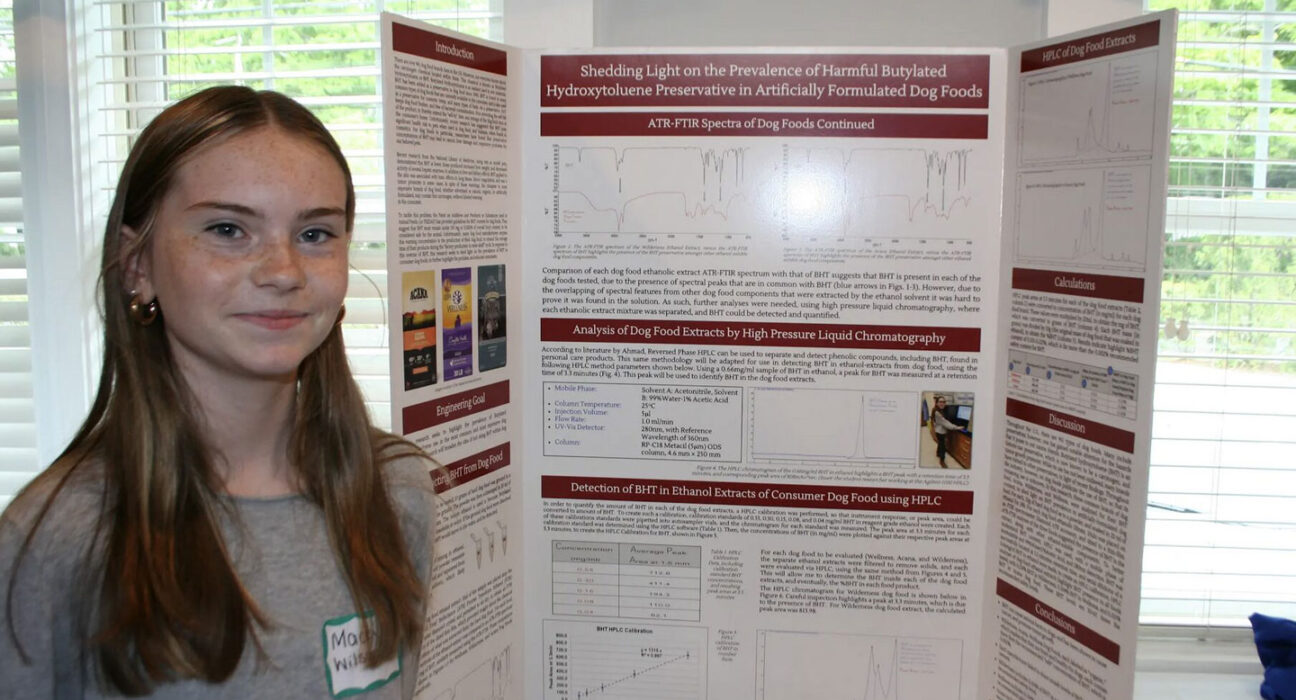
(189, 264)
(332, 280)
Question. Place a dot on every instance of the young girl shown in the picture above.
(227, 521)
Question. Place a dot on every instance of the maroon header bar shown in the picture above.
(1074, 426)
(1079, 284)
(471, 468)
(934, 81)
(1139, 36)
(726, 493)
(854, 125)
(1033, 606)
(422, 416)
(439, 47)
(780, 335)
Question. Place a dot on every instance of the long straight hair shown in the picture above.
(170, 604)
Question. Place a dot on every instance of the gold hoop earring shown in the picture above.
(143, 313)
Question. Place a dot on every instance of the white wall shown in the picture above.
(843, 22)
(1066, 16)
(818, 22)
(548, 24)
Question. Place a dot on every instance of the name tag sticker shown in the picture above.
(346, 649)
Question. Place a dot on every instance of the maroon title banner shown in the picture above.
(422, 416)
(782, 335)
(1036, 608)
(1074, 426)
(439, 47)
(954, 81)
(1079, 284)
(1140, 36)
(726, 493)
(821, 124)
(471, 468)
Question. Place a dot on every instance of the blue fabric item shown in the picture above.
(1275, 640)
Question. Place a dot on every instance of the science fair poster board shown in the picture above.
(766, 372)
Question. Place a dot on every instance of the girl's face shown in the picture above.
(248, 258)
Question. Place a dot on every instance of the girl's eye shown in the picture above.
(225, 230)
(315, 235)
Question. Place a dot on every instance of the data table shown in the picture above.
(1089, 389)
(611, 579)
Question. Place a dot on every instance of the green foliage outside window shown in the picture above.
(1234, 139)
(325, 53)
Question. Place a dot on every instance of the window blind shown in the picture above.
(324, 54)
(1221, 530)
(17, 420)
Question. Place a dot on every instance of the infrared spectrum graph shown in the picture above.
(600, 661)
(856, 666)
(1090, 112)
(1095, 217)
(910, 193)
(875, 194)
(662, 190)
(827, 426)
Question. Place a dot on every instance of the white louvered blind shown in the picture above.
(325, 54)
(1221, 532)
(17, 422)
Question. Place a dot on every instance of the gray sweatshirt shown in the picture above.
(281, 553)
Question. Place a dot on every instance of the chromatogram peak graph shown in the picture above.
(826, 426)
(657, 190)
(592, 661)
(489, 680)
(1084, 218)
(1090, 113)
(877, 192)
(856, 666)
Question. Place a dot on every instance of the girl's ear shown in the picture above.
(135, 266)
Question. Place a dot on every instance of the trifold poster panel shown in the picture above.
(1084, 209)
(451, 134)
(763, 286)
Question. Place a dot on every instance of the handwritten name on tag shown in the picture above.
(346, 651)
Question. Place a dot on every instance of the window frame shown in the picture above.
(60, 244)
